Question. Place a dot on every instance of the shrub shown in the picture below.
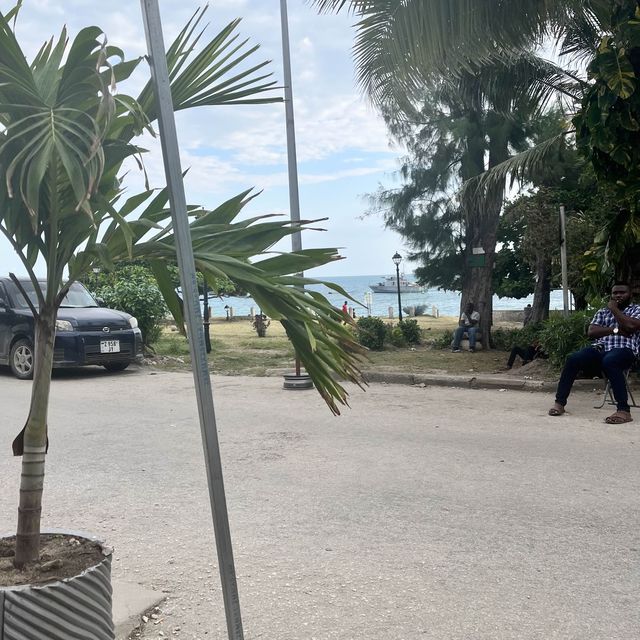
(506, 339)
(443, 340)
(562, 336)
(134, 290)
(410, 331)
(396, 336)
(370, 333)
(261, 323)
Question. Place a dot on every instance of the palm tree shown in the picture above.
(398, 45)
(65, 137)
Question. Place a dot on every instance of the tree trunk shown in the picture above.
(542, 291)
(477, 285)
(35, 443)
(580, 300)
(629, 271)
(482, 214)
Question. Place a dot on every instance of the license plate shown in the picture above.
(109, 346)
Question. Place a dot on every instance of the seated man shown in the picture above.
(616, 345)
(529, 353)
(468, 324)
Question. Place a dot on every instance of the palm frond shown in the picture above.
(399, 45)
(205, 77)
(521, 167)
(239, 250)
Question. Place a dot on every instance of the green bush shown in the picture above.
(506, 339)
(370, 333)
(396, 336)
(443, 340)
(133, 290)
(562, 336)
(410, 331)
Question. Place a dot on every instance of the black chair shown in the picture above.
(607, 397)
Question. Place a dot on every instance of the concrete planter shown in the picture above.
(77, 608)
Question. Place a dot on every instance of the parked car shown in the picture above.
(86, 333)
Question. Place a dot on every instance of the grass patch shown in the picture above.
(237, 350)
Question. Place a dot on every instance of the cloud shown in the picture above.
(341, 141)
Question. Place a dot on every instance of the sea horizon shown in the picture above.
(447, 303)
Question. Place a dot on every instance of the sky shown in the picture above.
(343, 149)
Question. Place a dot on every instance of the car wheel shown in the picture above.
(116, 366)
(21, 359)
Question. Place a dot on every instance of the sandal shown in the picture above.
(619, 417)
(556, 410)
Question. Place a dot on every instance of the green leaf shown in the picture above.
(617, 71)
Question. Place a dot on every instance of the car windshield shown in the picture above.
(77, 296)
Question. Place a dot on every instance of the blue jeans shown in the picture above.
(612, 363)
(460, 331)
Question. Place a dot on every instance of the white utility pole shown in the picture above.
(563, 262)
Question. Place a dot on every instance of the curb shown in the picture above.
(476, 382)
(130, 602)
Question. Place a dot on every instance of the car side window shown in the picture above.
(4, 300)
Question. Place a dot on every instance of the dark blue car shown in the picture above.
(85, 332)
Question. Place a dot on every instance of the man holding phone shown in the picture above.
(614, 330)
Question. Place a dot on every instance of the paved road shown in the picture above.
(422, 513)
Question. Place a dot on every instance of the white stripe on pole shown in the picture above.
(184, 250)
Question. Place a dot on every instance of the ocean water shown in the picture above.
(446, 302)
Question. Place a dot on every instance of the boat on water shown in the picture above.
(390, 285)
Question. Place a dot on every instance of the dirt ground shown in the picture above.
(420, 513)
(60, 557)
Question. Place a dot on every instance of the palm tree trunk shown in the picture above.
(542, 291)
(35, 443)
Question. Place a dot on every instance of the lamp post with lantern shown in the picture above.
(397, 259)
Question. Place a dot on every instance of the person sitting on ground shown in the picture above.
(468, 324)
(533, 351)
(616, 345)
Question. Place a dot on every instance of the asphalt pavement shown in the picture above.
(423, 512)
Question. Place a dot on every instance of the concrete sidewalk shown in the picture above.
(130, 602)
(421, 513)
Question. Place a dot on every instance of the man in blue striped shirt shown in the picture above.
(616, 345)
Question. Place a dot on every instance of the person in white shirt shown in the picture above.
(469, 321)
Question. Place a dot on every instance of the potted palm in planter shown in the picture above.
(65, 137)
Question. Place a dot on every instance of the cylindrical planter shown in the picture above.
(77, 608)
(295, 381)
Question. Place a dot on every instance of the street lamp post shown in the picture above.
(397, 259)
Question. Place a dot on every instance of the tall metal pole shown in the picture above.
(184, 249)
(563, 262)
(292, 162)
(399, 300)
(298, 381)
